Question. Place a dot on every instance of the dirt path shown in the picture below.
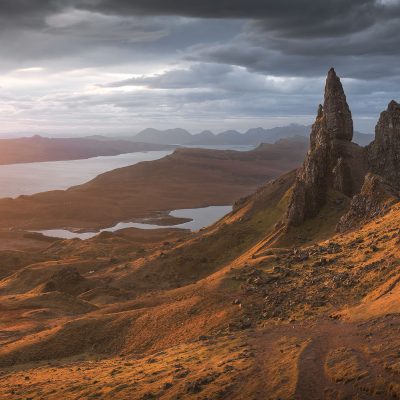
(312, 380)
(291, 361)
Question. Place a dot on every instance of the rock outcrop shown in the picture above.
(384, 151)
(382, 184)
(374, 200)
(333, 161)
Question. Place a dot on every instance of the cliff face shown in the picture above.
(382, 184)
(333, 161)
(374, 200)
(370, 174)
(384, 151)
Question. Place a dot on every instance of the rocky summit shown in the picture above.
(335, 164)
(338, 122)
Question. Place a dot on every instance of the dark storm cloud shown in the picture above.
(303, 28)
(23, 8)
(292, 38)
(301, 18)
(274, 62)
(290, 11)
(302, 37)
(288, 18)
(19, 14)
(63, 36)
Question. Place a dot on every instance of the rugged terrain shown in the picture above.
(260, 305)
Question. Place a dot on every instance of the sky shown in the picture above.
(83, 67)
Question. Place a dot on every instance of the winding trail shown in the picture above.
(297, 369)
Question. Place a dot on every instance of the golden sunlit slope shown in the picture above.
(250, 321)
(116, 272)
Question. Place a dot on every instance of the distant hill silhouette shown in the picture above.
(253, 136)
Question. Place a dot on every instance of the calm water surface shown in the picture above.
(237, 147)
(30, 178)
(201, 217)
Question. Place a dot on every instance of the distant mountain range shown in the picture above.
(253, 136)
(38, 148)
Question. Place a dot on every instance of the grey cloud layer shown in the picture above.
(237, 58)
(302, 37)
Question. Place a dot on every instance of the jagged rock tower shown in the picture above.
(382, 183)
(384, 151)
(333, 161)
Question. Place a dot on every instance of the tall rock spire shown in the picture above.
(339, 122)
(335, 114)
(328, 164)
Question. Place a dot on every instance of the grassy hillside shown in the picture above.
(178, 315)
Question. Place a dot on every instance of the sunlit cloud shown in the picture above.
(30, 69)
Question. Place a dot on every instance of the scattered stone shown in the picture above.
(167, 385)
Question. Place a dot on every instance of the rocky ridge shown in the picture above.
(334, 163)
(384, 151)
(374, 200)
